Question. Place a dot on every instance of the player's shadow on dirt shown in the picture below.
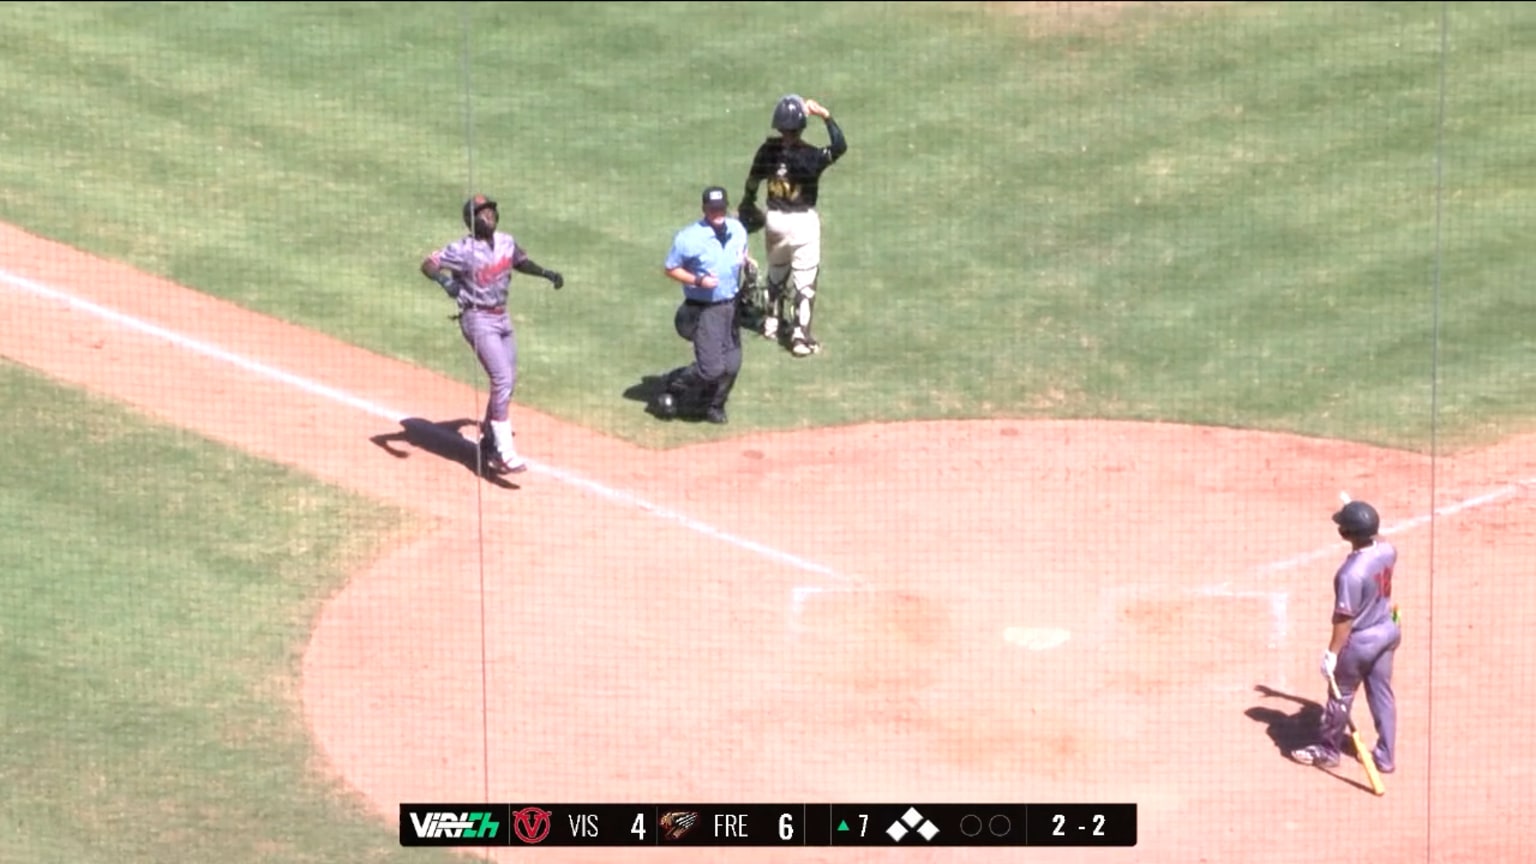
(651, 386)
(1292, 731)
(646, 391)
(445, 440)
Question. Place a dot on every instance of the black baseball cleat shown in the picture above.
(665, 406)
(715, 415)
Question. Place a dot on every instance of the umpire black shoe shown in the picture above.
(715, 415)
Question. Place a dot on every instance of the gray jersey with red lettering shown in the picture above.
(1362, 588)
(481, 271)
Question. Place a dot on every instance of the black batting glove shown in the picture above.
(555, 279)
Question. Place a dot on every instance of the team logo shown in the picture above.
(531, 824)
(675, 824)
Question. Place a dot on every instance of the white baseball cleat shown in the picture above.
(502, 464)
(1313, 754)
(513, 464)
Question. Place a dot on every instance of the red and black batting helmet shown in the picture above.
(474, 205)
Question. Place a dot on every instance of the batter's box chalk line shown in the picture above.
(1036, 638)
(1276, 605)
(1279, 608)
(799, 595)
(1028, 638)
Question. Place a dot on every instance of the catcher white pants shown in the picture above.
(793, 242)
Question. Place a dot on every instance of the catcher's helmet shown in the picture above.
(475, 205)
(1357, 519)
(789, 114)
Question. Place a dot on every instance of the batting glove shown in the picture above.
(555, 279)
(1330, 662)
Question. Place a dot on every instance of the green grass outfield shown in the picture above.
(1221, 217)
(1226, 216)
(158, 595)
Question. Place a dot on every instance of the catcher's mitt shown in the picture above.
(752, 296)
(751, 217)
(749, 274)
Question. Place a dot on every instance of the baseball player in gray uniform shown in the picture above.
(1365, 639)
(476, 271)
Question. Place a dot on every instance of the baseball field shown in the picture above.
(1116, 299)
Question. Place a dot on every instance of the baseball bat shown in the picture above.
(1364, 755)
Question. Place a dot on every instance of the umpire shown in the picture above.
(707, 257)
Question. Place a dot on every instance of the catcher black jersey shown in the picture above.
(792, 170)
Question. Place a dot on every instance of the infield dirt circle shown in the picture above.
(1007, 610)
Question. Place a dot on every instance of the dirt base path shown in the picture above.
(1012, 611)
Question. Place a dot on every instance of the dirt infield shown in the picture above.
(1002, 610)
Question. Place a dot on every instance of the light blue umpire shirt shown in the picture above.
(702, 253)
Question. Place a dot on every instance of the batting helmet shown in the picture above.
(475, 205)
(1357, 519)
(789, 114)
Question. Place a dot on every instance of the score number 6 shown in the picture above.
(786, 827)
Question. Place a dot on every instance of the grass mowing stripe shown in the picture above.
(1035, 219)
(158, 597)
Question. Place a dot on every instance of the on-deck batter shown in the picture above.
(1365, 638)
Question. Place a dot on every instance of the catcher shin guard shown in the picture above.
(801, 340)
(776, 291)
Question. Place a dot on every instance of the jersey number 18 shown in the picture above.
(1384, 582)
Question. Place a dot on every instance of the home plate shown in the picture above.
(1035, 638)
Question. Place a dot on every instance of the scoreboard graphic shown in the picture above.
(1107, 825)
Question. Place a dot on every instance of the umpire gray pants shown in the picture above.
(715, 331)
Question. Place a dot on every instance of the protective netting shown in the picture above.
(1114, 305)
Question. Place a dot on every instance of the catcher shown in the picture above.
(793, 169)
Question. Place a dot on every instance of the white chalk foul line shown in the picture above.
(1280, 600)
(1452, 509)
(394, 416)
(799, 594)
